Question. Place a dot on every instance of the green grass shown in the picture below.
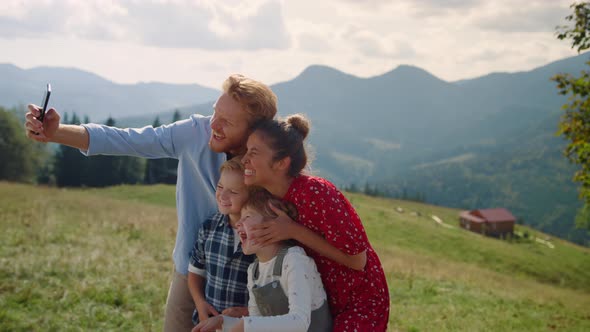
(159, 194)
(566, 265)
(73, 260)
(100, 260)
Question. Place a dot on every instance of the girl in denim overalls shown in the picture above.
(285, 288)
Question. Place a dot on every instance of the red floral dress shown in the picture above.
(359, 300)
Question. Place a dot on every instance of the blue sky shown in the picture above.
(182, 41)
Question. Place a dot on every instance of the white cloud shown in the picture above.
(177, 24)
(531, 18)
(310, 42)
(203, 41)
(372, 45)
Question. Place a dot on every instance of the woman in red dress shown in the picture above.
(328, 226)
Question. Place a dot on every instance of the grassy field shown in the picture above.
(100, 260)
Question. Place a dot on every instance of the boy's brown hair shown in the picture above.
(234, 164)
(259, 200)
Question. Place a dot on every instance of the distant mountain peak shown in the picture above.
(8, 65)
(407, 71)
(321, 71)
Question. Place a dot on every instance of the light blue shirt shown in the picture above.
(198, 169)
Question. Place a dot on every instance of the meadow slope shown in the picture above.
(100, 260)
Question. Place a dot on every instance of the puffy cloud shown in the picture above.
(160, 23)
(310, 42)
(204, 40)
(370, 44)
(533, 18)
(447, 4)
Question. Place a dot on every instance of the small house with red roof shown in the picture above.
(492, 222)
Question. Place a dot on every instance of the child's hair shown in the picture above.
(285, 137)
(234, 164)
(259, 200)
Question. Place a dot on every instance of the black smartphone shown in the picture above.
(45, 102)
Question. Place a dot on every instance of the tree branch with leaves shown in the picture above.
(574, 125)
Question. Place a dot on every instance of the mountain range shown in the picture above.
(478, 143)
(87, 94)
(484, 142)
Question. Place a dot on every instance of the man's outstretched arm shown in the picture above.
(51, 130)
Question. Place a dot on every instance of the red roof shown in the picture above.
(494, 215)
(468, 216)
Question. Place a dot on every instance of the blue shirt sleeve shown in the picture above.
(146, 142)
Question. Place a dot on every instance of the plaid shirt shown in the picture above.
(226, 271)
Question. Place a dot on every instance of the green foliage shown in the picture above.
(575, 122)
(579, 32)
(583, 216)
(176, 116)
(69, 165)
(110, 122)
(172, 164)
(20, 156)
(531, 181)
(72, 169)
(156, 122)
(154, 168)
(112, 170)
(161, 170)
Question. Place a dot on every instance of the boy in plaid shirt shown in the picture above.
(218, 269)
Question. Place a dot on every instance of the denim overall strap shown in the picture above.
(278, 267)
(272, 300)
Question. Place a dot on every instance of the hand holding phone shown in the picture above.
(45, 102)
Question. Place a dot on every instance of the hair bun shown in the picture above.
(300, 123)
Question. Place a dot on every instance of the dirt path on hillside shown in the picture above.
(440, 222)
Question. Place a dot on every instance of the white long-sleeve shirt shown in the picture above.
(303, 286)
